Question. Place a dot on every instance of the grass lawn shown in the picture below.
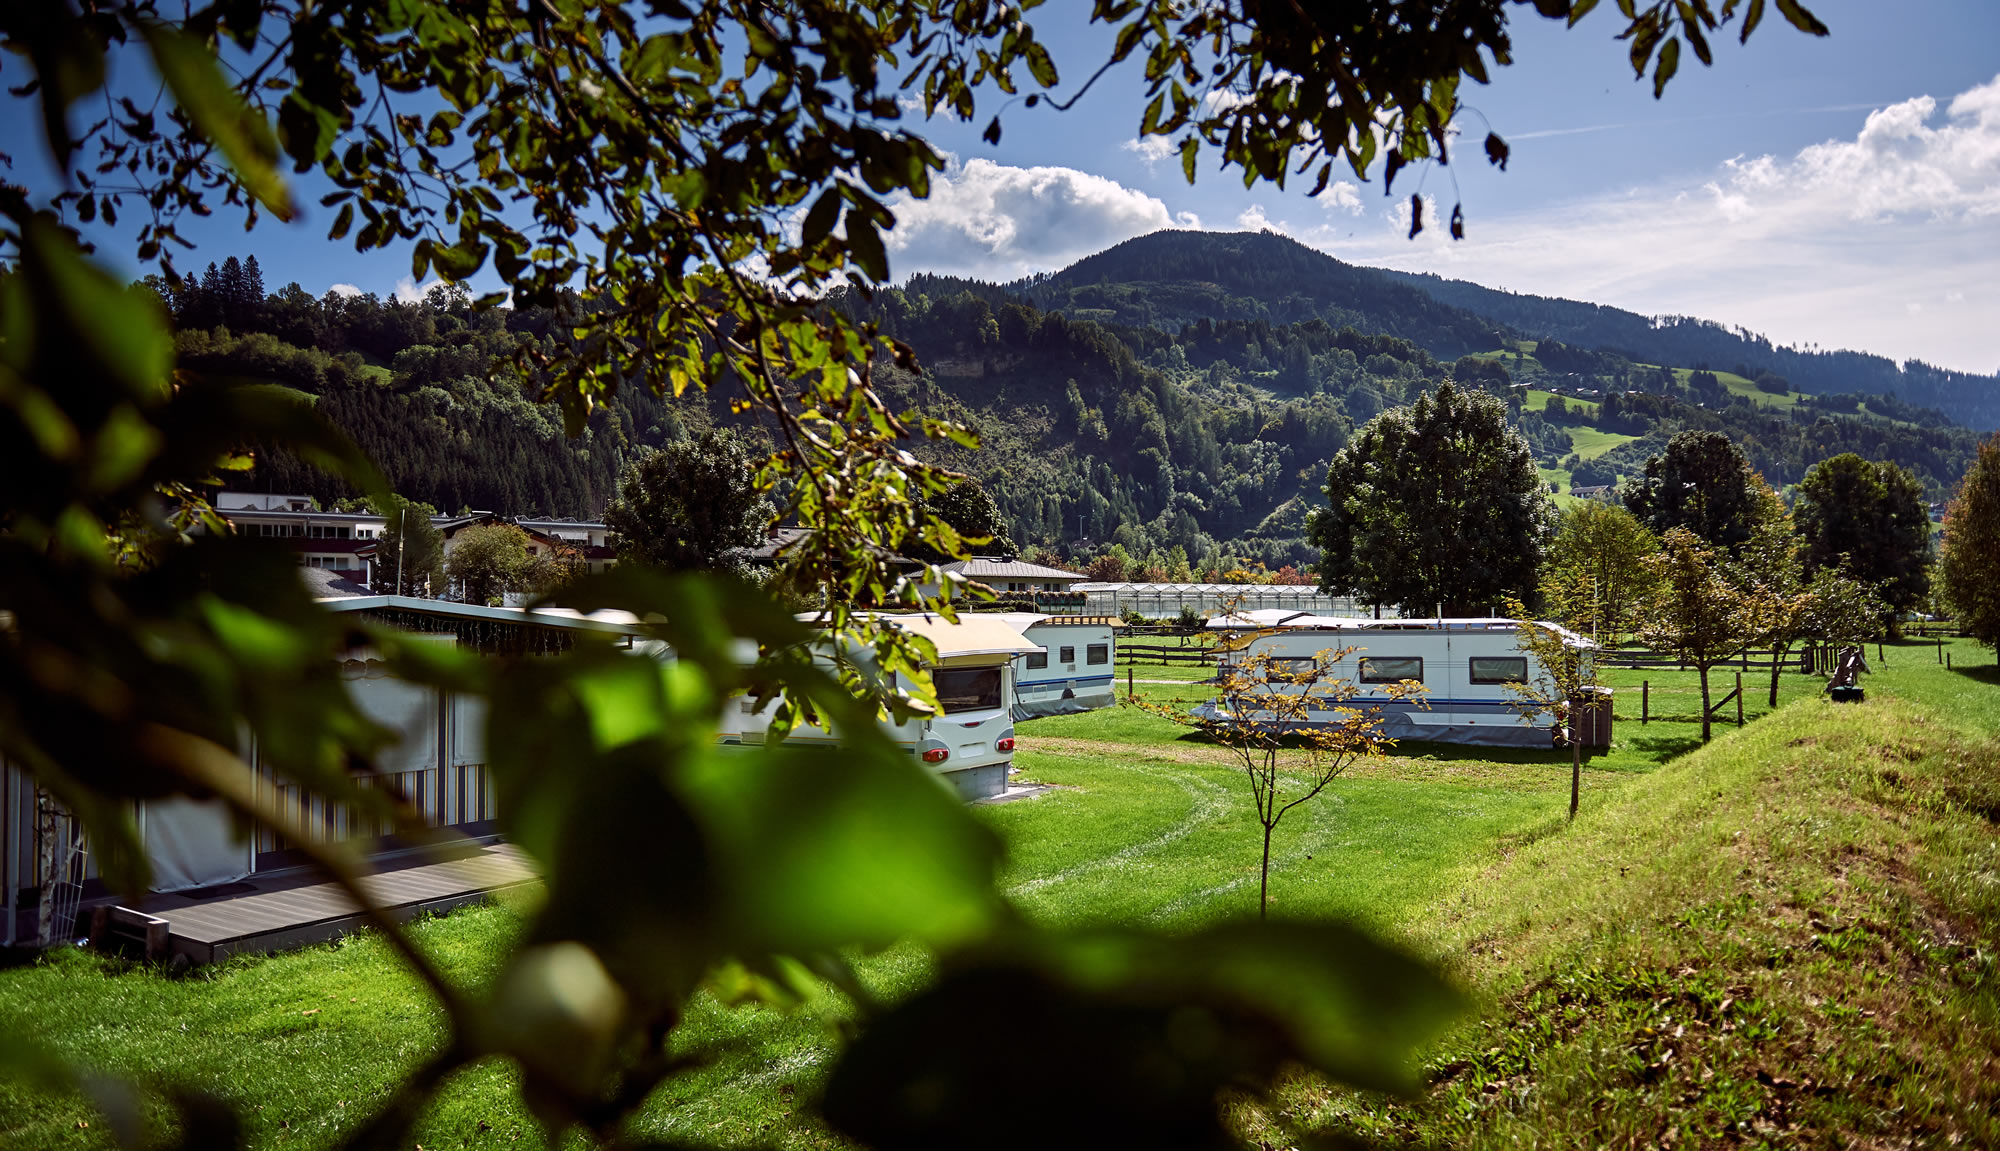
(1591, 443)
(1786, 938)
(1537, 400)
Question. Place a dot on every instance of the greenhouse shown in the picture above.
(1168, 600)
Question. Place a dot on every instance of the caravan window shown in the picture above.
(1292, 667)
(967, 688)
(1097, 653)
(1391, 668)
(1499, 669)
(1068, 655)
(1038, 660)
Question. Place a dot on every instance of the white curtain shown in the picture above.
(468, 730)
(408, 710)
(192, 844)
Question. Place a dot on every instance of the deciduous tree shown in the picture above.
(409, 555)
(975, 520)
(1871, 520)
(1596, 570)
(1969, 569)
(487, 561)
(1434, 507)
(1290, 724)
(687, 506)
(1694, 612)
(1562, 681)
(1703, 483)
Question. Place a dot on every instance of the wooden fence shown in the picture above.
(1134, 653)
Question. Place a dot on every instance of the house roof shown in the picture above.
(614, 622)
(990, 568)
(331, 583)
(781, 541)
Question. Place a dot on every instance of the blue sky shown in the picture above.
(1843, 192)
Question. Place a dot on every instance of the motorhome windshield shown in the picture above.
(967, 688)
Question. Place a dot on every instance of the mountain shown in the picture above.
(1180, 395)
(1965, 397)
(1170, 278)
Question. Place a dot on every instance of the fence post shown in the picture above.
(1130, 691)
(1940, 640)
(1739, 699)
(1879, 657)
(1645, 700)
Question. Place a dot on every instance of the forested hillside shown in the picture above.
(1166, 279)
(1973, 400)
(1206, 434)
(430, 389)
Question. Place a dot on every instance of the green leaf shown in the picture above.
(1189, 147)
(1663, 71)
(219, 113)
(820, 219)
(1753, 15)
(864, 247)
(460, 261)
(1040, 66)
(1133, 1035)
(1801, 19)
(123, 330)
(823, 849)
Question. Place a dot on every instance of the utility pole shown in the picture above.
(402, 544)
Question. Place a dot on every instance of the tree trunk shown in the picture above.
(45, 860)
(1704, 703)
(1264, 878)
(1575, 769)
(1777, 663)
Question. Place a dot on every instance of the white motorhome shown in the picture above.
(970, 743)
(1464, 665)
(1072, 668)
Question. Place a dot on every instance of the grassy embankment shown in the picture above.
(1785, 937)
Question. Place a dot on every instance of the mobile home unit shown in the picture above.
(1071, 669)
(1464, 666)
(970, 742)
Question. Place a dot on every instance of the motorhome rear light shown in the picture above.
(936, 755)
(1004, 743)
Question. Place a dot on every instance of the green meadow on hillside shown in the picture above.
(1785, 938)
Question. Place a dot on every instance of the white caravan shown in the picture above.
(1464, 665)
(971, 741)
(1071, 668)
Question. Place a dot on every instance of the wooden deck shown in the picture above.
(294, 917)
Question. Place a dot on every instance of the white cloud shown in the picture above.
(411, 292)
(1150, 149)
(1343, 195)
(999, 222)
(1253, 219)
(1883, 241)
(344, 289)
